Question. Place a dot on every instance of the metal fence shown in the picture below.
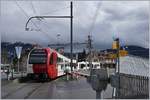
(131, 86)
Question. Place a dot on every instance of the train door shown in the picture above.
(52, 68)
(55, 64)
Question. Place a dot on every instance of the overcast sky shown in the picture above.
(127, 20)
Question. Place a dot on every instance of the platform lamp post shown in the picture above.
(71, 28)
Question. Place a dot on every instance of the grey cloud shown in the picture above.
(129, 22)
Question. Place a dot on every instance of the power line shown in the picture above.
(45, 21)
(93, 22)
(34, 10)
(46, 34)
(57, 10)
(94, 18)
(25, 13)
(31, 20)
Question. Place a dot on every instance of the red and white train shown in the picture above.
(46, 63)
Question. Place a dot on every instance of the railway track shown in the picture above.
(13, 91)
(26, 89)
(23, 90)
(31, 92)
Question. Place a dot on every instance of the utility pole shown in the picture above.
(118, 65)
(118, 55)
(71, 35)
(89, 46)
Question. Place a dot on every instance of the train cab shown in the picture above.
(44, 63)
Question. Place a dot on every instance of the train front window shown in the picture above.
(38, 56)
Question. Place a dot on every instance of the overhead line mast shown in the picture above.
(71, 34)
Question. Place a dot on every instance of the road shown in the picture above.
(57, 89)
